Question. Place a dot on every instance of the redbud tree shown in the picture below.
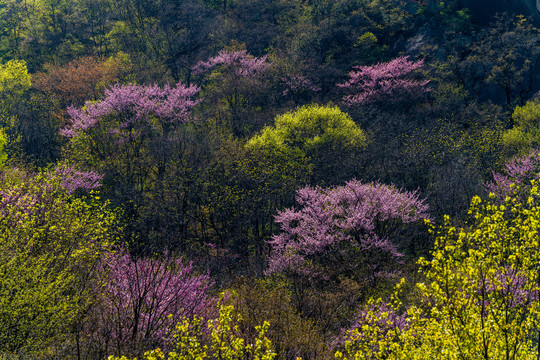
(133, 137)
(72, 179)
(391, 81)
(298, 87)
(143, 300)
(234, 81)
(128, 111)
(516, 176)
(345, 232)
(131, 130)
(240, 63)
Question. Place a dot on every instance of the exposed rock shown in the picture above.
(485, 9)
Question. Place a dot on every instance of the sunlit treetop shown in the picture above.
(14, 77)
(525, 132)
(310, 128)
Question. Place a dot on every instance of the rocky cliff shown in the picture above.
(484, 9)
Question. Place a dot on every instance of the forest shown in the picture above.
(269, 180)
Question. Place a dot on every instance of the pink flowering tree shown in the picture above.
(235, 89)
(143, 300)
(389, 82)
(239, 63)
(133, 139)
(130, 110)
(516, 176)
(72, 180)
(346, 232)
(376, 323)
(357, 217)
(298, 87)
(131, 130)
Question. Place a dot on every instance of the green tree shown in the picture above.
(3, 142)
(14, 83)
(14, 78)
(27, 116)
(314, 138)
(525, 134)
(50, 243)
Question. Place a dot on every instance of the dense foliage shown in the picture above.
(479, 298)
(51, 243)
(302, 158)
(224, 338)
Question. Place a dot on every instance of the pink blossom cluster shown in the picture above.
(388, 82)
(131, 103)
(345, 214)
(509, 284)
(17, 199)
(145, 298)
(72, 180)
(241, 63)
(382, 315)
(519, 171)
(33, 196)
(297, 84)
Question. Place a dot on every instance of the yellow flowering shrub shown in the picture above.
(225, 341)
(480, 297)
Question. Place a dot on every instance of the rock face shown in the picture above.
(485, 9)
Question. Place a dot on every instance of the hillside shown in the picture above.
(269, 179)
